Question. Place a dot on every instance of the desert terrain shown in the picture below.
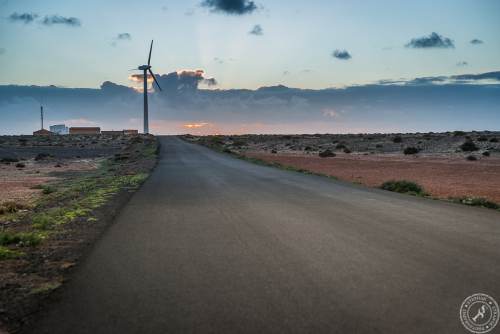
(453, 165)
(58, 193)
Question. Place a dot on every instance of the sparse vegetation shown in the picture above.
(11, 207)
(459, 133)
(477, 201)
(9, 160)
(397, 139)
(40, 238)
(326, 154)
(42, 156)
(403, 186)
(471, 158)
(346, 150)
(494, 140)
(486, 154)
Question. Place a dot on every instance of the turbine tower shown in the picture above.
(41, 115)
(145, 69)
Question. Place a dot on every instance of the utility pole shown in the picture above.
(41, 115)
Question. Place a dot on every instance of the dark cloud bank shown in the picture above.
(434, 40)
(469, 101)
(341, 54)
(231, 7)
(47, 20)
(23, 17)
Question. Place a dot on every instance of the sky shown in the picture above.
(242, 44)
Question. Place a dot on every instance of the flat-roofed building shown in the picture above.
(130, 132)
(59, 129)
(84, 130)
(111, 132)
(43, 132)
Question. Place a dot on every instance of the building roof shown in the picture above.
(42, 132)
(85, 128)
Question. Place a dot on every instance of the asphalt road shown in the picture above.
(212, 244)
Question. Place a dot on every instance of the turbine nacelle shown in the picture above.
(144, 67)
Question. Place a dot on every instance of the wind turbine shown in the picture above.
(145, 69)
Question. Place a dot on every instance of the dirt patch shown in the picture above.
(441, 176)
(19, 184)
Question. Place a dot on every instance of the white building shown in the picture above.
(60, 129)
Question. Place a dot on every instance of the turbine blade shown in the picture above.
(154, 78)
(150, 49)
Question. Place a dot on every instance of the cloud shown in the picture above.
(195, 125)
(434, 40)
(434, 104)
(476, 41)
(494, 76)
(332, 113)
(57, 19)
(78, 122)
(184, 80)
(462, 63)
(124, 36)
(477, 79)
(112, 88)
(256, 30)
(230, 7)
(341, 54)
(23, 17)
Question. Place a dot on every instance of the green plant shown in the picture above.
(21, 238)
(486, 153)
(6, 253)
(469, 146)
(397, 139)
(471, 158)
(458, 133)
(494, 140)
(346, 150)
(411, 150)
(403, 186)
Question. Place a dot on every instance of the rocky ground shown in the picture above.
(58, 194)
(452, 165)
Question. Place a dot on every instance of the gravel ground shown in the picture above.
(441, 176)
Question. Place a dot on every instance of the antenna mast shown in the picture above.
(41, 115)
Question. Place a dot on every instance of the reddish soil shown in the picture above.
(17, 183)
(440, 175)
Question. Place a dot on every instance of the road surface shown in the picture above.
(213, 244)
